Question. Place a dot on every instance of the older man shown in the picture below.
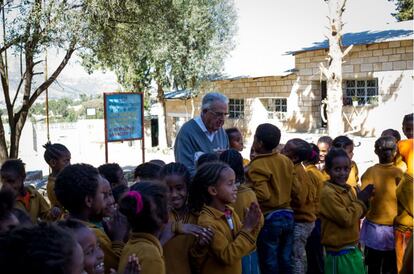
(205, 133)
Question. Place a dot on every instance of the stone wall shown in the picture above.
(391, 63)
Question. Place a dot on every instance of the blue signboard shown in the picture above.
(123, 116)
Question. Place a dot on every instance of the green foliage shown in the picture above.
(176, 43)
(404, 10)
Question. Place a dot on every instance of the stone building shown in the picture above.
(377, 86)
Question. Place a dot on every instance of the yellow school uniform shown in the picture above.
(406, 150)
(272, 177)
(177, 251)
(35, 206)
(383, 206)
(318, 180)
(340, 212)
(111, 250)
(303, 196)
(404, 218)
(50, 187)
(149, 251)
(228, 246)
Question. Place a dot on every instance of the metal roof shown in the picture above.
(181, 94)
(390, 32)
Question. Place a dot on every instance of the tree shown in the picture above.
(405, 10)
(174, 44)
(333, 72)
(30, 27)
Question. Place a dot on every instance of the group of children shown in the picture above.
(292, 208)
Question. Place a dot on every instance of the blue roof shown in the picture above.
(178, 94)
(390, 32)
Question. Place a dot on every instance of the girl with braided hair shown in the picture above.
(57, 156)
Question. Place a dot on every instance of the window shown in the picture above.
(277, 108)
(362, 92)
(236, 108)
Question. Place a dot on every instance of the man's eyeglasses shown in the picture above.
(219, 114)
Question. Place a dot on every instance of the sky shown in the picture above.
(270, 28)
(267, 29)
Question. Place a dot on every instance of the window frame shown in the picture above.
(236, 108)
(273, 106)
(360, 90)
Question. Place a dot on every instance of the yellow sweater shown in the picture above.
(404, 218)
(385, 178)
(303, 196)
(148, 249)
(177, 251)
(272, 177)
(245, 197)
(227, 247)
(37, 208)
(50, 188)
(111, 250)
(405, 149)
(340, 212)
(318, 180)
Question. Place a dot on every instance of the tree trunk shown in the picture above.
(333, 73)
(163, 140)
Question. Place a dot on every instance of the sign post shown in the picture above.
(124, 118)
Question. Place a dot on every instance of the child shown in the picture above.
(324, 145)
(398, 161)
(146, 172)
(93, 259)
(86, 195)
(348, 145)
(314, 249)
(235, 138)
(406, 147)
(245, 197)
(115, 175)
(57, 156)
(40, 249)
(212, 191)
(303, 201)
(403, 222)
(377, 233)
(145, 207)
(27, 198)
(183, 245)
(7, 219)
(272, 175)
(340, 213)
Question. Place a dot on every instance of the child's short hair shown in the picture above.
(231, 131)
(206, 158)
(74, 183)
(342, 142)
(392, 132)
(109, 171)
(176, 169)
(54, 151)
(302, 150)
(7, 200)
(269, 135)
(235, 160)
(138, 206)
(158, 162)
(147, 171)
(39, 249)
(386, 142)
(325, 139)
(71, 224)
(206, 175)
(314, 156)
(14, 165)
(332, 154)
(408, 118)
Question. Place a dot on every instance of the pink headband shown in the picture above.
(138, 198)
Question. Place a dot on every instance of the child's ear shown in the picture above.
(89, 201)
(52, 163)
(212, 190)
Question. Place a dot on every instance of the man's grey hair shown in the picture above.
(212, 97)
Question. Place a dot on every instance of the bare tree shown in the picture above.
(333, 72)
